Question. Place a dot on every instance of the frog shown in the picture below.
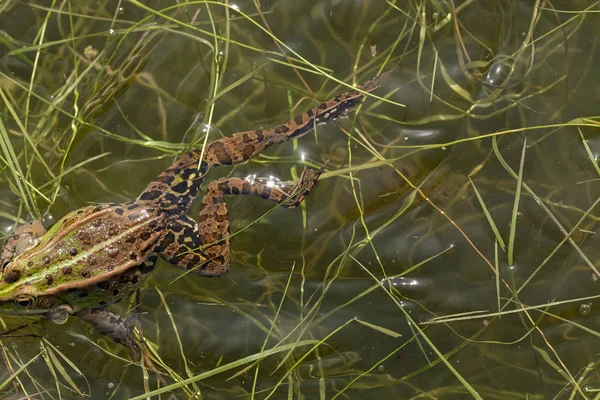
(97, 255)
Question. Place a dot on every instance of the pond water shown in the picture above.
(448, 252)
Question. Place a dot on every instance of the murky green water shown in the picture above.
(358, 267)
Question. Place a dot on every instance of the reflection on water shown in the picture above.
(398, 239)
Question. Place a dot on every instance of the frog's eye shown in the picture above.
(25, 301)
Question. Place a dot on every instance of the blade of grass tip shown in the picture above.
(415, 335)
(497, 265)
(453, 85)
(378, 328)
(551, 362)
(488, 216)
(50, 365)
(513, 219)
(589, 151)
(62, 371)
(17, 372)
(435, 61)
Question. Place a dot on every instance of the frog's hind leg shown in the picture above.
(205, 248)
(242, 146)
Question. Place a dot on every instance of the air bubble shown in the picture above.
(519, 216)
(585, 309)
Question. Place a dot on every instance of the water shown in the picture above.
(354, 272)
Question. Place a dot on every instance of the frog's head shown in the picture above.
(19, 293)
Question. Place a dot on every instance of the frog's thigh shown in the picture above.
(212, 231)
(181, 246)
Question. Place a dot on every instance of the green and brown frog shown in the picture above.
(97, 255)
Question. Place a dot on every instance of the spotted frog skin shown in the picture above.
(97, 255)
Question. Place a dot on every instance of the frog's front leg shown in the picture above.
(25, 237)
(112, 325)
(205, 248)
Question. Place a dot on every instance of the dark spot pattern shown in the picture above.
(167, 240)
(301, 131)
(248, 151)
(221, 152)
(119, 211)
(150, 195)
(171, 199)
(180, 187)
(73, 251)
(266, 193)
(12, 275)
(186, 173)
(49, 279)
(85, 238)
(175, 226)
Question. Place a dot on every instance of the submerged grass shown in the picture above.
(418, 198)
